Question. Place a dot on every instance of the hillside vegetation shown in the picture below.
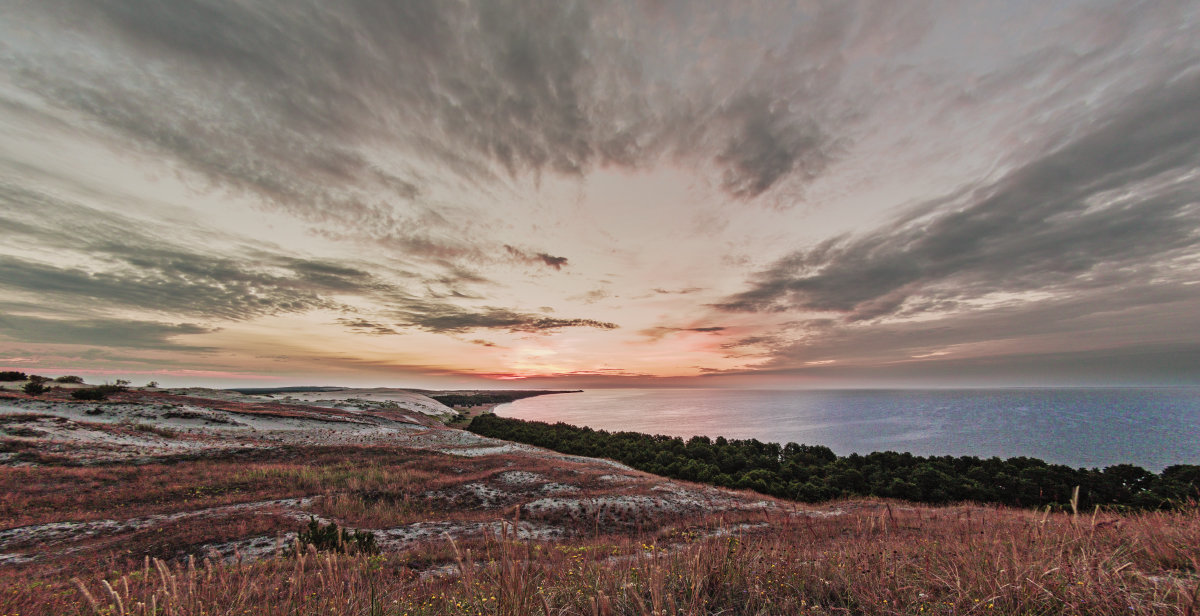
(209, 503)
(486, 398)
(813, 473)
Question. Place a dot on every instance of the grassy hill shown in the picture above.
(206, 516)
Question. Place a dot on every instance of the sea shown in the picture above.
(1091, 428)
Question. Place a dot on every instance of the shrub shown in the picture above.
(37, 378)
(152, 385)
(115, 387)
(25, 432)
(13, 375)
(101, 392)
(331, 538)
(34, 388)
(93, 393)
(77, 380)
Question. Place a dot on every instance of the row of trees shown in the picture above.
(37, 383)
(490, 397)
(813, 473)
(13, 375)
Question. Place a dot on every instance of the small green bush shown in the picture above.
(13, 375)
(77, 380)
(331, 538)
(100, 392)
(34, 388)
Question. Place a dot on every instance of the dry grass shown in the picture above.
(878, 559)
(35, 495)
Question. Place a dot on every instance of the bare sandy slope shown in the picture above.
(360, 398)
(550, 492)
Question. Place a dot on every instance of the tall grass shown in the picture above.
(878, 559)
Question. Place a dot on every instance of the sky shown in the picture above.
(498, 194)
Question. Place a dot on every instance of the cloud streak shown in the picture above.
(287, 100)
(447, 318)
(147, 335)
(658, 333)
(1098, 211)
(131, 269)
(536, 258)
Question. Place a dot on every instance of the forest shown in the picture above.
(813, 473)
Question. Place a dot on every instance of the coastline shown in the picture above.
(1095, 427)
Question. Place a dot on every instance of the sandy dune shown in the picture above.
(545, 494)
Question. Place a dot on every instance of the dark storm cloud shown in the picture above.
(1114, 205)
(447, 318)
(100, 332)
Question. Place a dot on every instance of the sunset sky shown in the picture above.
(585, 194)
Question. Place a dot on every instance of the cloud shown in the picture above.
(536, 258)
(683, 291)
(1086, 250)
(119, 261)
(370, 328)
(101, 332)
(1123, 320)
(295, 101)
(123, 266)
(207, 288)
(1114, 205)
(1165, 364)
(447, 318)
(749, 341)
(769, 145)
(657, 333)
(592, 296)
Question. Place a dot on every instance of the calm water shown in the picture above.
(1152, 428)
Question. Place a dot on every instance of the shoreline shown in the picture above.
(467, 413)
(1067, 427)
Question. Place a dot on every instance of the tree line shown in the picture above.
(813, 473)
(489, 397)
